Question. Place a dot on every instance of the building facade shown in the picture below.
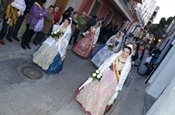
(145, 13)
(116, 11)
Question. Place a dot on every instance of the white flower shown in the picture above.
(94, 74)
(98, 76)
(55, 32)
(52, 33)
(84, 34)
(97, 71)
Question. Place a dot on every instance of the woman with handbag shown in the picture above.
(99, 92)
(37, 14)
(50, 56)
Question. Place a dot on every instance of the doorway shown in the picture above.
(108, 17)
(62, 5)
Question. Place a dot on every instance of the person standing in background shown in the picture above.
(81, 23)
(29, 4)
(74, 24)
(91, 22)
(67, 14)
(37, 12)
(57, 15)
(4, 4)
(48, 22)
(11, 15)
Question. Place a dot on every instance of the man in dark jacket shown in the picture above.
(91, 22)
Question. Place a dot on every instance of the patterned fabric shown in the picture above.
(49, 56)
(57, 65)
(101, 56)
(95, 96)
(45, 55)
(96, 50)
(83, 47)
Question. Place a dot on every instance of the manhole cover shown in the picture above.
(30, 71)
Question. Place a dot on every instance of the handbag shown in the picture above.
(39, 26)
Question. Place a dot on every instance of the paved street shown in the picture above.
(53, 94)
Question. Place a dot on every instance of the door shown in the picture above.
(62, 5)
(108, 17)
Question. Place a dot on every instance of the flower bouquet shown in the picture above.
(111, 46)
(97, 75)
(57, 35)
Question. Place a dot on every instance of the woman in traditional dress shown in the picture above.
(50, 56)
(103, 54)
(85, 46)
(97, 96)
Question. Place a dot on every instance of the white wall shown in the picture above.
(165, 104)
(163, 75)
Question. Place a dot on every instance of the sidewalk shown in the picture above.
(133, 100)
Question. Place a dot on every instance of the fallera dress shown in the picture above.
(50, 55)
(94, 97)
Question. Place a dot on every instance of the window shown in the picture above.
(95, 8)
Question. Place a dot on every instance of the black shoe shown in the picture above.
(23, 46)
(9, 39)
(16, 38)
(35, 43)
(28, 46)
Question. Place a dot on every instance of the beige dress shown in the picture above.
(95, 96)
(45, 55)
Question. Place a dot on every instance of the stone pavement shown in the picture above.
(53, 94)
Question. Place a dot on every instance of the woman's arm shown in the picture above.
(86, 83)
(37, 12)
